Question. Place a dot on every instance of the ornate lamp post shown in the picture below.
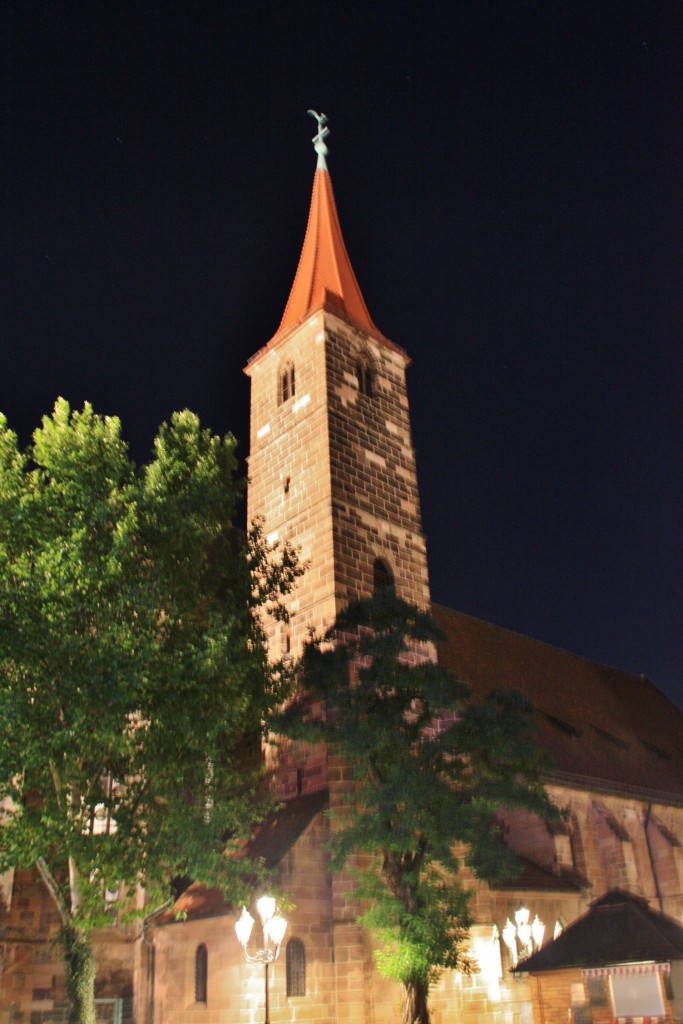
(273, 932)
(522, 938)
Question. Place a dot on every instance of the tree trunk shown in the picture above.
(79, 962)
(415, 1010)
(80, 975)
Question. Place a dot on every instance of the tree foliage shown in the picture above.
(133, 665)
(432, 769)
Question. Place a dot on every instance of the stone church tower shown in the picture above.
(332, 471)
(332, 467)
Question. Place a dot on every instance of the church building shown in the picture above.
(332, 470)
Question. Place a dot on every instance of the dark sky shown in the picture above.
(508, 179)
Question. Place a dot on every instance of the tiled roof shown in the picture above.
(618, 928)
(274, 838)
(324, 277)
(598, 724)
(534, 878)
(279, 832)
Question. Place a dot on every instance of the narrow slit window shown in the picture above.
(296, 968)
(364, 377)
(201, 966)
(287, 387)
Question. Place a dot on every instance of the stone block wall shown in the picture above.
(342, 984)
(332, 470)
(373, 471)
(289, 474)
(235, 989)
(33, 984)
(609, 841)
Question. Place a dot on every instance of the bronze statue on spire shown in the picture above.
(319, 138)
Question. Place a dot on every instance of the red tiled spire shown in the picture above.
(324, 276)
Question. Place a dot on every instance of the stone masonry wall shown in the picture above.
(342, 984)
(610, 844)
(289, 476)
(374, 478)
(33, 985)
(332, 471)
(235, 989)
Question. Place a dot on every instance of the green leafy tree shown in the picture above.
(432, 769)
(133, 668)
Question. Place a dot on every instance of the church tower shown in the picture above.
(332, 467)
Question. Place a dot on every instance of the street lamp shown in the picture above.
(273, 932)
(522, 938)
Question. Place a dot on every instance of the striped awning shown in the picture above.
(601, 972)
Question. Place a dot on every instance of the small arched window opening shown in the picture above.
(287, 385)
(382, 576)
(201, 967)
(296, 968)
(364, 377)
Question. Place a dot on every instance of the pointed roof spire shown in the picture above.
(324, 277)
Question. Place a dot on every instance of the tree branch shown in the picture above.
(56, 782)
(53, 889)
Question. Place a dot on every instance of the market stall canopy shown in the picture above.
(618, 929)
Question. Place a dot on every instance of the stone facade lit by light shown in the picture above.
(332, 470)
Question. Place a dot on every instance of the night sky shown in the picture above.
(508, 180)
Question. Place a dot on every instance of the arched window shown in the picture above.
(296, 968)
(201, 966)
(287, 384)
(364, 377)
(382, 576)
